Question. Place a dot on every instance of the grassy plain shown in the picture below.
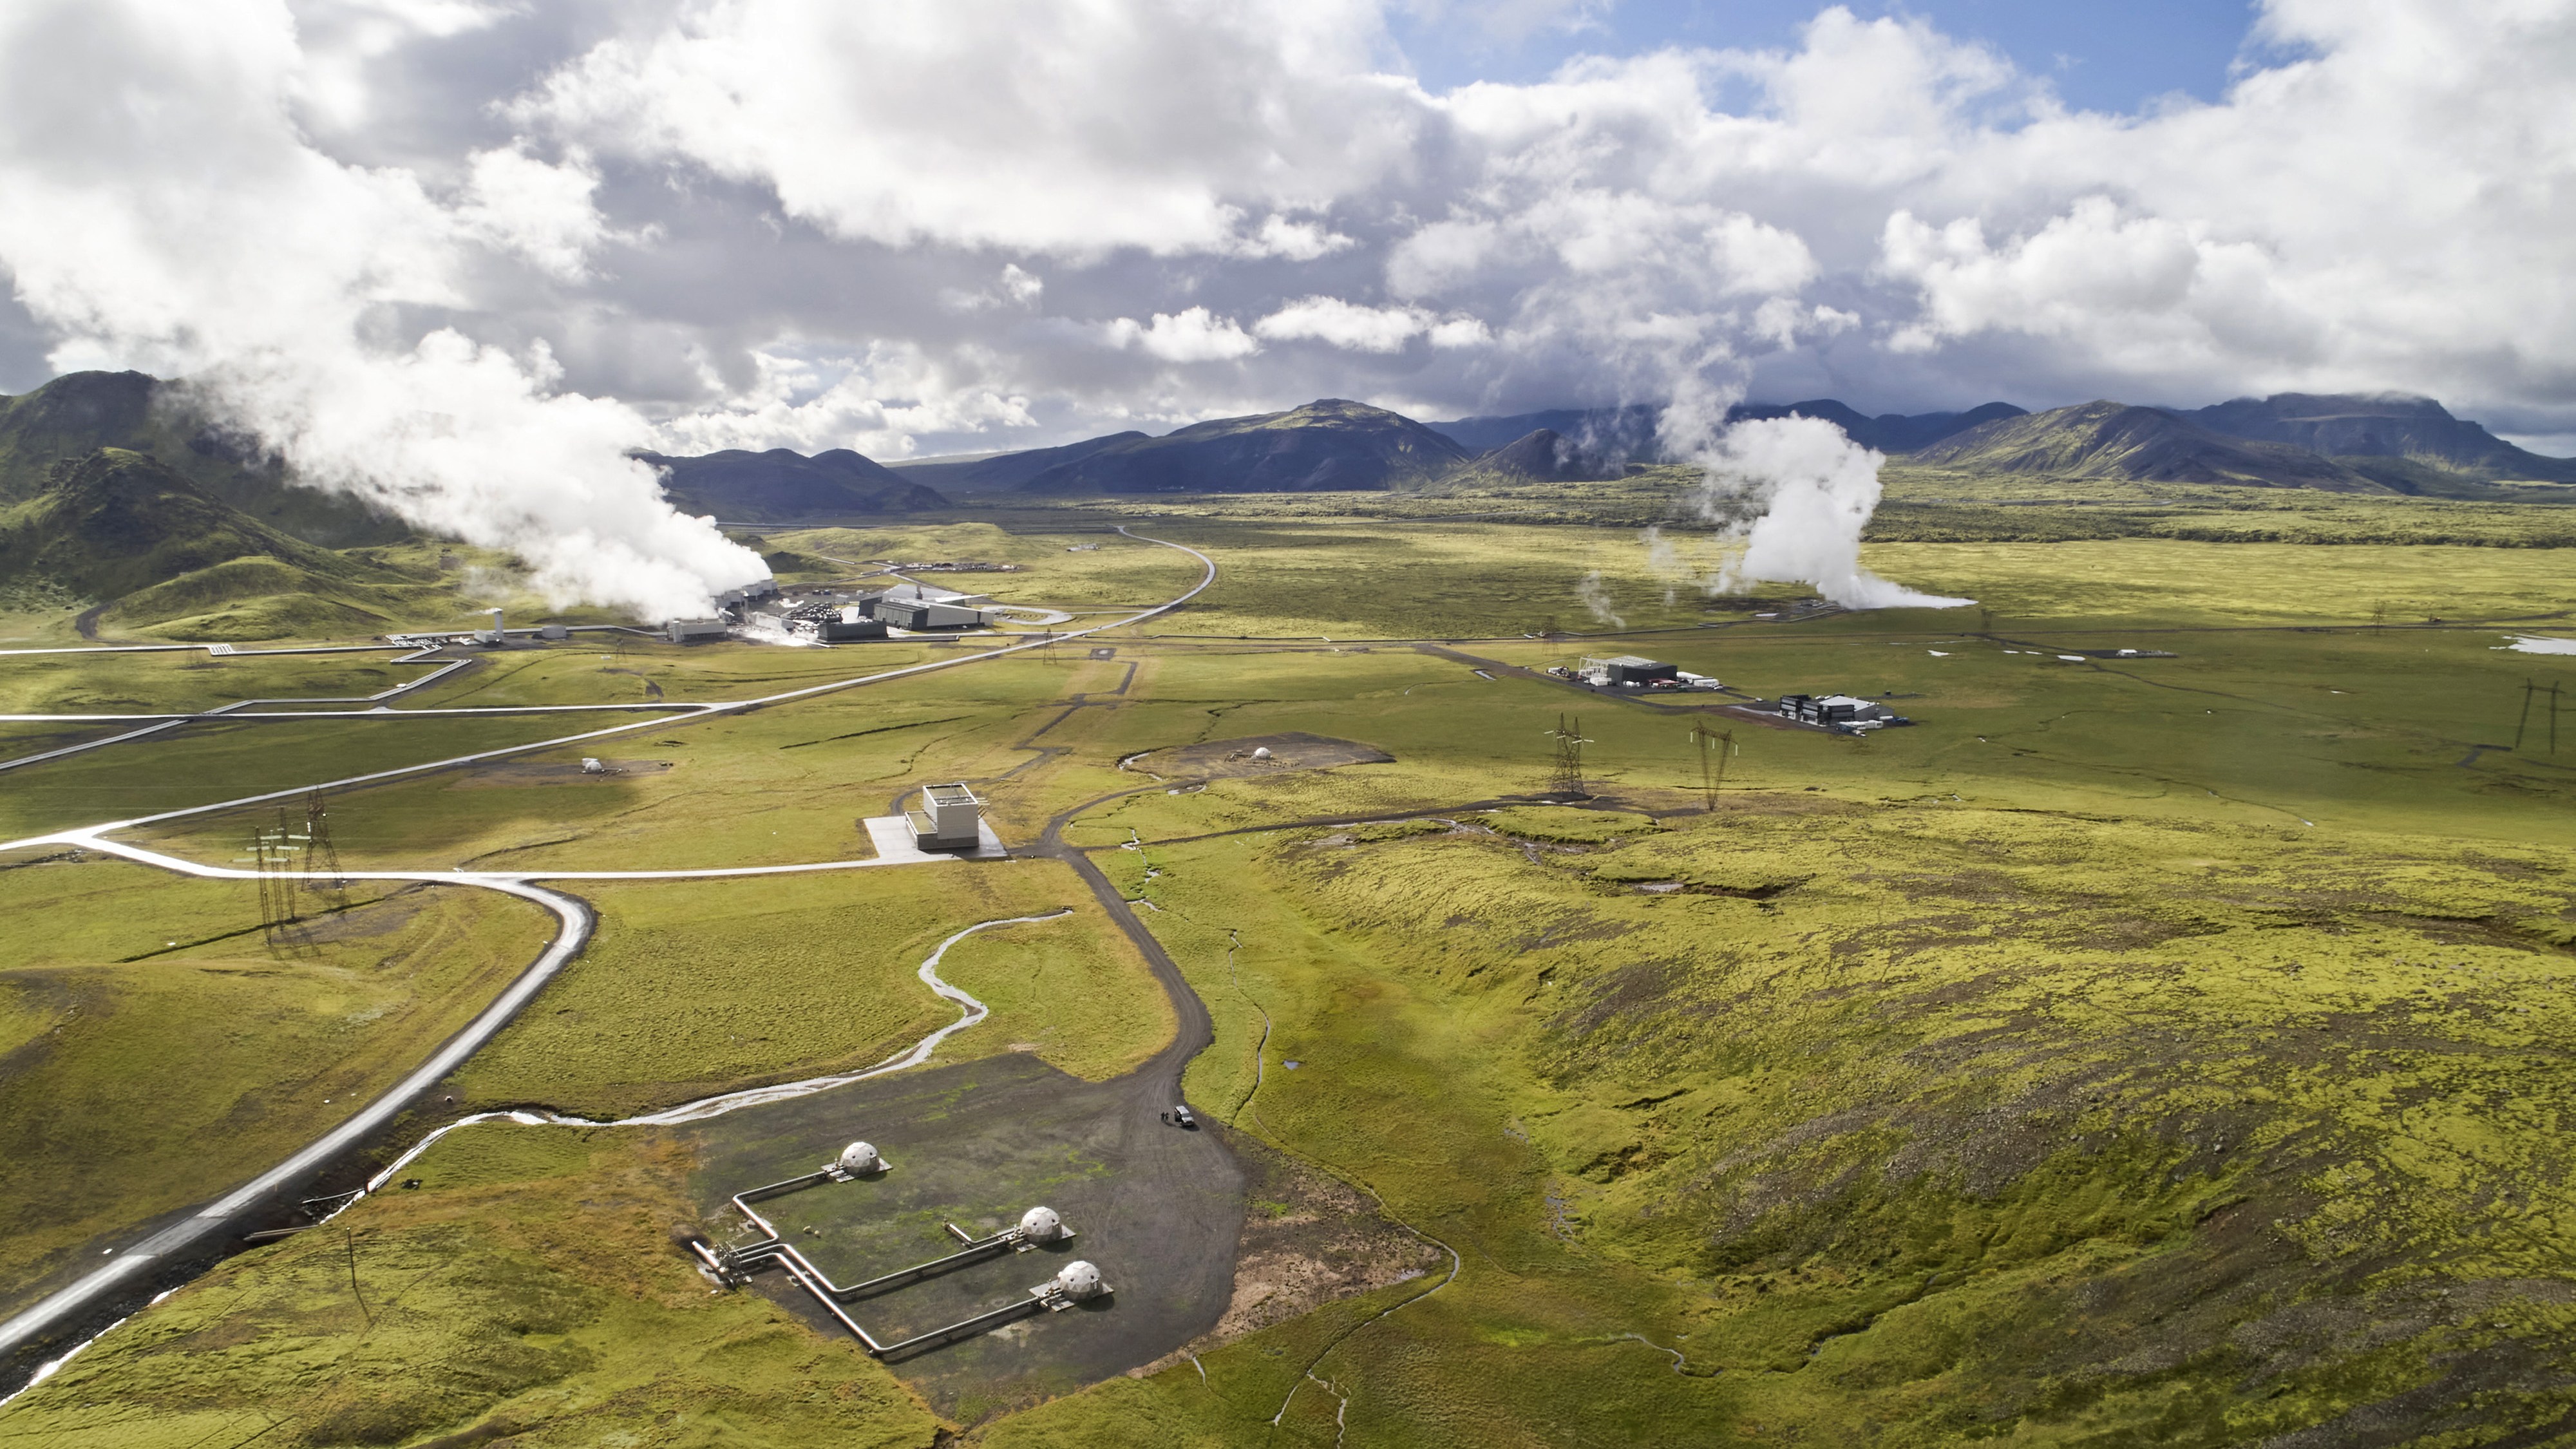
(697, 987)
(2137, 1050)
(156, 1047)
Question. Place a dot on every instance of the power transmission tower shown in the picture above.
(1566, 778)
(321, 857)
(1714, 747)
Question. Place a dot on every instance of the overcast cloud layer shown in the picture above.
(450, 232)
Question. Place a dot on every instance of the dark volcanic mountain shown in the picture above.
(79, 413)
(1623, 435)
(782, 485)
(2351, 426)
(991, 472)
(2115, 440)
(1329, 444)
(1544, 456)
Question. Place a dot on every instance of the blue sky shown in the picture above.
(2101, 56)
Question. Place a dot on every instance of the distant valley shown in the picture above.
(119, 498)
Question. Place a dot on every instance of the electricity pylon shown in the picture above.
(1566, 778)
(321, 857)
(1714, 747)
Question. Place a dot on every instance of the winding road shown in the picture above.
(175, 1251)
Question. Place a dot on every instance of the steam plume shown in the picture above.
(187, 225)
(1816, 489)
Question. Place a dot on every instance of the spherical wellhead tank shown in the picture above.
(860, 1157)
(1041, 1225)
(1078, 1280)
(1261, 752)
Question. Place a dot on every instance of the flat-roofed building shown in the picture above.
(951, 817)
(1628, 671)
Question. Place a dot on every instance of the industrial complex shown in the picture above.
(758, 1246)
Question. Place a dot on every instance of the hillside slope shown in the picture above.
(79, 413)
(2352, 426)
(119, 521)
(992, 472)
(781, 485)
(1625, 435)
(1330, 444)
(2115, 440)
(151, 551)
(1543, 456)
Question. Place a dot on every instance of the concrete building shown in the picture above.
(1838, 712)
(951, 818)
(1627, 671)
(747, 595)
(920, 613)
(694, 631)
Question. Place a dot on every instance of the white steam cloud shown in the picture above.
(1818, 489)
(165, 210)
(1815, 490)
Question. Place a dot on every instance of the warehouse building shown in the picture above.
(1841, 712)
(694, 631)
(1628, 671)
(915, 612)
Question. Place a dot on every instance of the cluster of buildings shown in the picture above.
(835, 616)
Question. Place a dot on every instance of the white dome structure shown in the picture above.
(1041, 1225)
(1079, 1280)
(860, 1157)
(1261, 752)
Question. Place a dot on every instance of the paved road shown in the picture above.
(210, 1230)
(178, 1251)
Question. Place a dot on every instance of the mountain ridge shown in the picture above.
(1330, 444)
(2105, 439)
(781, 484)
(71, 417)
(2349, 427)
(1627, 434)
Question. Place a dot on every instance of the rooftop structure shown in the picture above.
(920, 613)
(1843, 713)
(1627, 671)
(951, 818)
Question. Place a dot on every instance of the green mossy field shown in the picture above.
(145, 1018)
(692, 988)
(2169, 1047)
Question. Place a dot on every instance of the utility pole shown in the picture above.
(1567, 776)
(2528, 690)
(1714, 745)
